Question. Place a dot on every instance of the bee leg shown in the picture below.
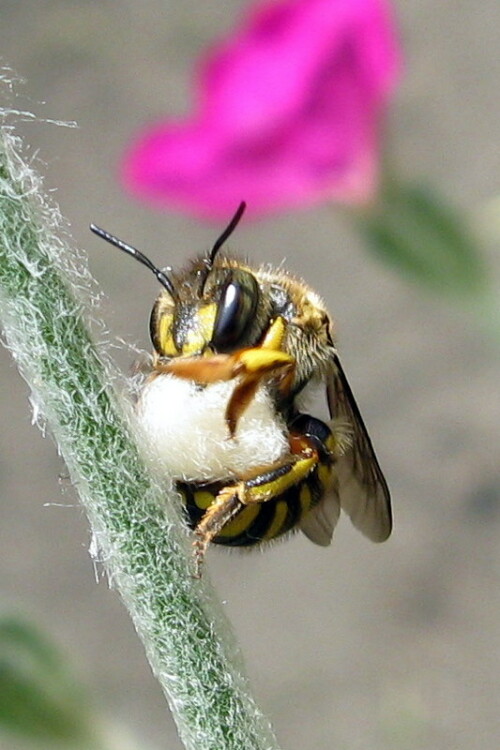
(258, 486)
(227, 504)
(268, 482)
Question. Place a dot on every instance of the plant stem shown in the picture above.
(44, 304)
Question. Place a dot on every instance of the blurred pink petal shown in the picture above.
(288, 114)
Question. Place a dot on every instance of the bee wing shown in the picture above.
(319, 523)
(363, 491)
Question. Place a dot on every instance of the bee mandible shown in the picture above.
(234, 349)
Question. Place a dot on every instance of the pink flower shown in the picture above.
(288, 114)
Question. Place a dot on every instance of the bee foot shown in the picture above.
(200, 545)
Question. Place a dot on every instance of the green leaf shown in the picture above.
(40, 698)
(414, 232)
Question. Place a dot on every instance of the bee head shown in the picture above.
(213, 307)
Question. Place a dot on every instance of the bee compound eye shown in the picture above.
(236, 311)
(153, 327)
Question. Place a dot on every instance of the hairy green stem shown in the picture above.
(44, 304)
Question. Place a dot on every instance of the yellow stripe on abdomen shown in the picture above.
(280, 513)
(203, 499)
(241, 522)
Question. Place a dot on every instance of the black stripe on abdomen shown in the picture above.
(266, 524)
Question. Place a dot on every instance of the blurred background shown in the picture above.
(357, 646)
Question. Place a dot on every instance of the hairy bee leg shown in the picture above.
(258, 486)
(226, 506)
(269, 482)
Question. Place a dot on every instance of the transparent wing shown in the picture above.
(363, 491)
(319, 523)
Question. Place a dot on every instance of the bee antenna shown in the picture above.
(160, 275)
(209, 260)
(226, 233)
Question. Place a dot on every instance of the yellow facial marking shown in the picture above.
(278, 520)
(241, 522)
(201, 332)
(167, 345)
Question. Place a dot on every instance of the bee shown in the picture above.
(234, 347)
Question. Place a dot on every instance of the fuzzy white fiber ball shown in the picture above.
(186, 436)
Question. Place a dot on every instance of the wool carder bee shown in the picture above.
(234, 349)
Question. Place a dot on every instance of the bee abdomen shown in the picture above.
(258, 522)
